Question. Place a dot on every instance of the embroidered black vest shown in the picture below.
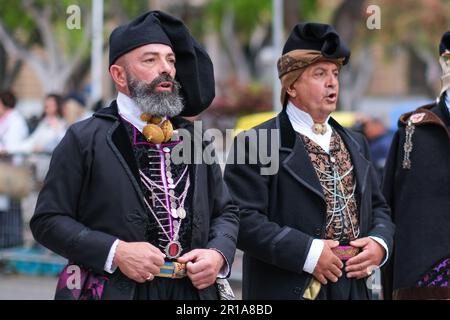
(166, 188)
(335, 172)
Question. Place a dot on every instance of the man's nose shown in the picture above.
(332, 81)
(165, 67)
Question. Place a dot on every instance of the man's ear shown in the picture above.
(291, 91)
(118, 75)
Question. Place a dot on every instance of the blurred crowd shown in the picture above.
(379, 137)
(38, 134)
(26, 146)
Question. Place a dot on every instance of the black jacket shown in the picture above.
(420, 201)
(281, 214)
(91, 196)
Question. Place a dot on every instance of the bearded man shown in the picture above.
(114, 202)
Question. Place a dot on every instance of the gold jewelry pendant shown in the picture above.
(167, 130)
(319, 128)
(155, 131)
(156, 120)
(145, 117)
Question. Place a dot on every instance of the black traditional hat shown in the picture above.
(194, 67)
(317, 36)
(445, 43)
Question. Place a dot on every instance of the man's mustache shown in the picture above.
(160, 79)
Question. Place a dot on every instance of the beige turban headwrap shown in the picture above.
(444, 61)
(292, 64)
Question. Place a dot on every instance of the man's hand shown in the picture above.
(329, 265)
(202, 266)
(361, 265)
(139, 261)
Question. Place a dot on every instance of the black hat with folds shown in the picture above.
(193, 65)
(445, 43)
(317, 36)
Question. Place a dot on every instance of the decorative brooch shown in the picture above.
(408, 146)
(319, 128)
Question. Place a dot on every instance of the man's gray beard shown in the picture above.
(162, 104)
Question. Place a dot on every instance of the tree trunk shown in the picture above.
(291, 14)
(355, 80)
(354, 76)
(3, 67)
(11, 75)
(346, 19)
(234, 49)
(259, 37)
(221, 68)
(423, 72)
(53, 70)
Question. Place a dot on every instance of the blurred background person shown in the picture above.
(99, 104)
(379, 137)
(13, 129)
(50, 130)
(74, 108)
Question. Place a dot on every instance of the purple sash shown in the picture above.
(78, 283)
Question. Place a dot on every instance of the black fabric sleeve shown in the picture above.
(54, 223)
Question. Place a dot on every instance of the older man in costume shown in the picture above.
(316, 228)
(138, 223)
(416, 186)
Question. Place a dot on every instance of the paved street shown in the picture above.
(21, 287)
(27, 287)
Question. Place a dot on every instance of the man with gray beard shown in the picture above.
(132, 223)
(153, 102)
